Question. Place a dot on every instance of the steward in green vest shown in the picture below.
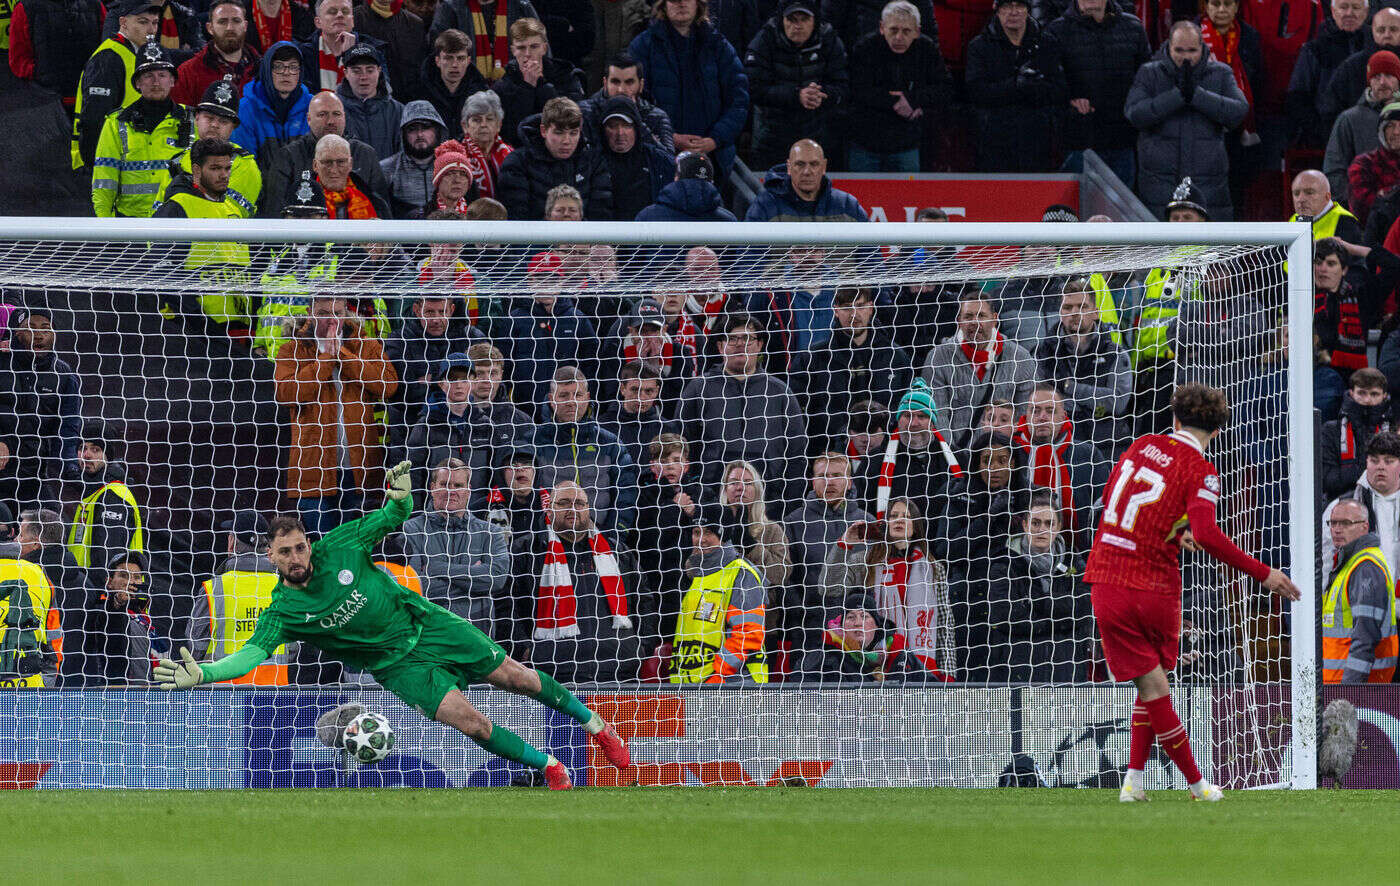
(105, 86)
(108, 520)
(216, 117)
(221, 268)
(720, 631)
(137, 142)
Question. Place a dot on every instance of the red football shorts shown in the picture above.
(1140, 630)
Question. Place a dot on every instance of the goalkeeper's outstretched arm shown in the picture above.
(188, 673)
(370, 529)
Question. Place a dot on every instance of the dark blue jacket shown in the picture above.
(596, 460)
(263, 120)
(779, 202)
(539, 342)
(687, 200)
(722, 87)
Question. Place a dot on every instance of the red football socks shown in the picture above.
(1142, 736)
(1171, 735)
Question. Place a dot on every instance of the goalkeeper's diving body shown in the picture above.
(332, 595)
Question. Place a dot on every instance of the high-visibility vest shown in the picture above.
(701, 628)
(130, 165)
(1325, 225)
(236, 599)
(24, 629)
(244, 185)
(1336, 632)
(1153, 340)
(127, 54)
(219, 264)
(1108, 308)
(287, 287)
(406, 576)
(80, 533)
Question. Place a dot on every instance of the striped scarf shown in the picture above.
(486, 167)
(1049, 468)
(662, 363)
(711, 310)
(349, 203)
(271, 30)
(556, 609)
(491, 55)
(458, 276)
(169, 28)
(886, 481)
(331, 71)
(980, 358)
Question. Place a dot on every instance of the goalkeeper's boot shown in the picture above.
(1131, 792)
(1206, 792)
(613, 747)
(557, 777)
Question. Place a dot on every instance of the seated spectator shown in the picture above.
(977, 365)
(271, 21)
(546, 334)
(553, 151)
(41, 405)
(532, 78)
(454, 188)
(1101, 48)
(283, 168)
(464, 419)
(719, 634)
(484, 28)
(1074, 470)
(860, 362)
(1379, 491)
(131, 643)
(1367, 410)
(274, 106)
(1312, 199)
(1349, 81)
(812, 528)
(917, 462)
(593, 611)
(975, 516)
(668, 498)
(798, 80)
(691, 197)
(569, 444)
(1340, 34)
(644, 342)
(332, 377)
(462, 560)
(623, 77)
(404, 36)
(1345, 312)
(321, 65)
(738, 411)
(888, 565)
(1376, 171)
(372, 114)
(1080, 359)
(1357, 129)
(854, 648)
(1017, 85)
(482, 116)
(564, 203)
(898, 83)
(227, 55)
(866, 424)
(449, 78)
(696, 78)
(639, 169)
(410, 171)
(799, 190)
(418, 348)
(1185, 98)
(50, 42)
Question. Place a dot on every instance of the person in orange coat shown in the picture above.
(333, 379)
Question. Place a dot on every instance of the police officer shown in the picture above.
(293, 271)
(137, 142)
(106, 83)
(216, 117)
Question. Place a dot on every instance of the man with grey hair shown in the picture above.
(324, 116)
(333, 168)
(899, 83)
(409, 173)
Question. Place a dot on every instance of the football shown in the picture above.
(369, 738)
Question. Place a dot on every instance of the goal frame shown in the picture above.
(1294, 237)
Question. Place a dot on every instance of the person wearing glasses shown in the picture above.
(1359, 644)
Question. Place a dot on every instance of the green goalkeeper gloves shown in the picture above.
(400, 481)
(185, 675)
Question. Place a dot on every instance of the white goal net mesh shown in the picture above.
(905, 447)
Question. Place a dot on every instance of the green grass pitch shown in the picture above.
(695, 835)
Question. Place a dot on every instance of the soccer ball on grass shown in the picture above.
(369, 738)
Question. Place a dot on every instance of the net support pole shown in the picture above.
(1303, 647)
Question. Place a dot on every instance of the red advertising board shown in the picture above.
(995, 198)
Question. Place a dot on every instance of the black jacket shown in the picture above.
(637, 431)
(1341, 450)
(415, 355)
(1312, 74)
(283, 169)
(838, 373)
(971, 522)
(777, 72)
(570, 27)
(520, 100)
(1100, 59)
(405, 44)
(483, 437)
(40, 412)
(529, 173)
(663, 538)
(875, 72)
(638, 175)
(1042, 623)
(449, 104)
(1016, 94)
(63, 34)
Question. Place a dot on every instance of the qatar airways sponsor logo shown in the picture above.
(345, 611)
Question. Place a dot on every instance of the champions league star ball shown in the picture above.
(369, 738)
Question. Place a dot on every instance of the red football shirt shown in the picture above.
(1146, 501)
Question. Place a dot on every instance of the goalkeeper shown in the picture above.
(331, 595)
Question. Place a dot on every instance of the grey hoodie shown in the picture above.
(411, 179)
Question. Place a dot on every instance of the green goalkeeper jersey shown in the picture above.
(350, 609)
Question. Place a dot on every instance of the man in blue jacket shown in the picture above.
(800, 191)
(273, 109)
(691, 197)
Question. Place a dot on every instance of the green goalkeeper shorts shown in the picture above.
(452, 653)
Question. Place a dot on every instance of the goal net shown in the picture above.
(789, 503)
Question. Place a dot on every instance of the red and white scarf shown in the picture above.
(486, 167)
(906, 597)
(686, 333)
(982, 359)
(711, 310)
(1348, 441)
(886, 481)
(556, 610)
(1049, 468)
(273, 30)
(663, 363)
(331, 71)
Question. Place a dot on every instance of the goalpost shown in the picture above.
(884, 667)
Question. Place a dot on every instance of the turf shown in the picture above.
(709, 835)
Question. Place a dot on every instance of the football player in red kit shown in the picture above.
(1161, 486)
